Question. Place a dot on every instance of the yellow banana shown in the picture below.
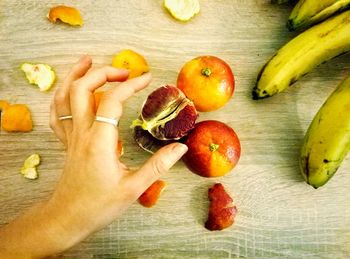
(309, 12)
(306, 51)
(327, 140)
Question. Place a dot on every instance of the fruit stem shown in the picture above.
(213, 147)
(206, 72)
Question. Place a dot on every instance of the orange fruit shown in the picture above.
(213, 149)
(207, 81)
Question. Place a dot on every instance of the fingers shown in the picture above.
(61, 98)
(56, 126)
(156, 166)
(78, 70)
(81, 92)
(111, 102)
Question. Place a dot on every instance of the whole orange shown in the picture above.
(208, 81)
(213, 149)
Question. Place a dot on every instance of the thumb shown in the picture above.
(158, 165)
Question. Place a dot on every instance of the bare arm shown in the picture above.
(95, 187)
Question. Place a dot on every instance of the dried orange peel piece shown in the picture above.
(16, 118)
(66, 14)
(134, 62)
(28, 169)
(182, 10)
(150, 197)
(41, 75)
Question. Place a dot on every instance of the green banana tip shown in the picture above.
(290, 25)
(255, 94)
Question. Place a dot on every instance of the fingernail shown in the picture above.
(180, 149)
(148, 74)
(83, 58)
(120, 69)
(124, 70)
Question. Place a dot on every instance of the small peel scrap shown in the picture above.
(41, 75)
(28, 169)
(66, 14)
(150, 197)
(221, 211)
(182, 10)
(132, 61)
(97, 99)
(120, 148)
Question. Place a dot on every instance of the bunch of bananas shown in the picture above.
(327, 140)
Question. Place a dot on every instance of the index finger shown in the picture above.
(112, 100)
(81, 97)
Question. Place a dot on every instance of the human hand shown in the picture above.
(95, 186)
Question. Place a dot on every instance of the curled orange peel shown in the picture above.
(132, 61)
(66, 14)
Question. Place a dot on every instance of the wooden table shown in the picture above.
(279, 215)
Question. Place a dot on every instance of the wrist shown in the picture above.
(67, 227)
(37, 233)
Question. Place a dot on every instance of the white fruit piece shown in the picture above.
(41, 75)
(182, 10)
(28, 169)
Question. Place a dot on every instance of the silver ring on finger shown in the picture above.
(114, 122)
(67, 117)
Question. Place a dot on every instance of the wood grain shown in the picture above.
(279, 215)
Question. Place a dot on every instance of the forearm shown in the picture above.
(41, 231)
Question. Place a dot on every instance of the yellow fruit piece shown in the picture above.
(41, 75)
(182, 10)
(29, 173)
(17, 118)
(134, 62)
(32, 161)
(66, 14)
(28, 169)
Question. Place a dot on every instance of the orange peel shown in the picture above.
(66, 14)
(16, 118)
(41, 75)
(3, 105)
(150, 197)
